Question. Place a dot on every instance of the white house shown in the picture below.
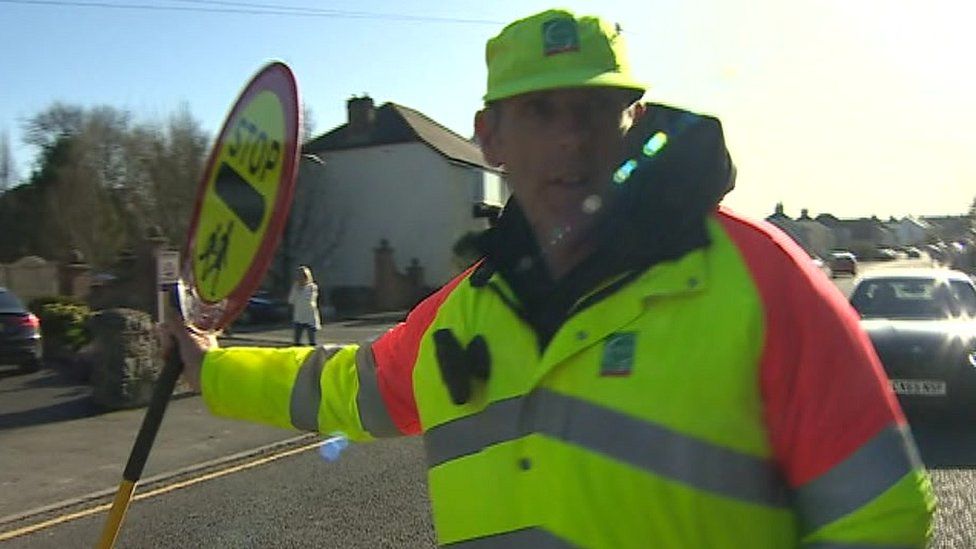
(909, 231)
(811, 234)
(389, 174)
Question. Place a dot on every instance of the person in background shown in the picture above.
(304, 299)
(628, 364)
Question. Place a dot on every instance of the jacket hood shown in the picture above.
(658, 212)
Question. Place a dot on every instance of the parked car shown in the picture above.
(922, 323)
(842, 262)
(885, 254)
(20, 334)
(263, 308)
(821, 265)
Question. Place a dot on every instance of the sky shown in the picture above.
(855, 108)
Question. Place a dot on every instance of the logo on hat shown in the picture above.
(560, 35)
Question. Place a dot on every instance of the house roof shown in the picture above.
(398, 124)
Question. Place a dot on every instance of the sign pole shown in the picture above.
(162, 391)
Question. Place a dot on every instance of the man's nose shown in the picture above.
(573, 129)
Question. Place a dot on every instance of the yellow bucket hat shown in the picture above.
(556, 49)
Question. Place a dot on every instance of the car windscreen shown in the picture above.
(914, 298)
(9, 303)
(966, 294)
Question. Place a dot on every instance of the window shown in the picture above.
(914, 298)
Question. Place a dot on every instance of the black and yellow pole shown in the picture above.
(140, 449)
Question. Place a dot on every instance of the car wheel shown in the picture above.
(30, 366)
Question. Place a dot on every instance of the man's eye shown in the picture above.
(540, 108)
(605, 105)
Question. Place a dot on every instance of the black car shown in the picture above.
(263, 308)
(20, 334)
(922, 323)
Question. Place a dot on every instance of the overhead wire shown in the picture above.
(343, 13)
(250, 8)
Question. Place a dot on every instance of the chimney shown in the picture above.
(361, 115)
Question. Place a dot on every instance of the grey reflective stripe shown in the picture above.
(373, 413)
(528, 538)
(306, 393)
(660, 450)
(839, 545)
(875, 467)
(642, 444)
(467, 435)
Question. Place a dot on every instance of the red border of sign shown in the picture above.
(279, 79)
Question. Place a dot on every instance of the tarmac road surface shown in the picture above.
(216, 483)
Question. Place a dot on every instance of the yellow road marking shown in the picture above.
(4, 536)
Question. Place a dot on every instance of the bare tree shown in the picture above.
(8, 172)
(972, 217)
(308, 123)
(106, 181)
(313, 232)
(171, 163)
(46, 128)
(83, 213)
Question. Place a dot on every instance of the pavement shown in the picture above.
(58, 450)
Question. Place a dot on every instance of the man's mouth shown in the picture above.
(573, 182)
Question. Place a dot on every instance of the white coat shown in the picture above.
(304, 299)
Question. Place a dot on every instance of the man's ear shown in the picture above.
(638, 110)
(486, 130)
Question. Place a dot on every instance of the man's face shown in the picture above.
(559, 149)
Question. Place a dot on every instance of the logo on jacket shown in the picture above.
(618, 354)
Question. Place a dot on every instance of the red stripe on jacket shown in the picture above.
(395, 353)
(824, 391)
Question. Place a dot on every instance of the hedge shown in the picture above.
(63, 321)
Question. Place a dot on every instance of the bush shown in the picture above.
(63, 321)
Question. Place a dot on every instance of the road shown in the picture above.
(213, 483)
(372, 497)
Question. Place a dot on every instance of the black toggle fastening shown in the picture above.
(482, 274)
(459, 364)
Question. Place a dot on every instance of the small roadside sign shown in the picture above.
(167, 267)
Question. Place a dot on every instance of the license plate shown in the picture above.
(919, 387)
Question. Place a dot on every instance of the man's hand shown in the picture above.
(192, 343)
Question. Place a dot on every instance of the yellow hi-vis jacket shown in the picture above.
(727, 399)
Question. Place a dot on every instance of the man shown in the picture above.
(629, 365)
